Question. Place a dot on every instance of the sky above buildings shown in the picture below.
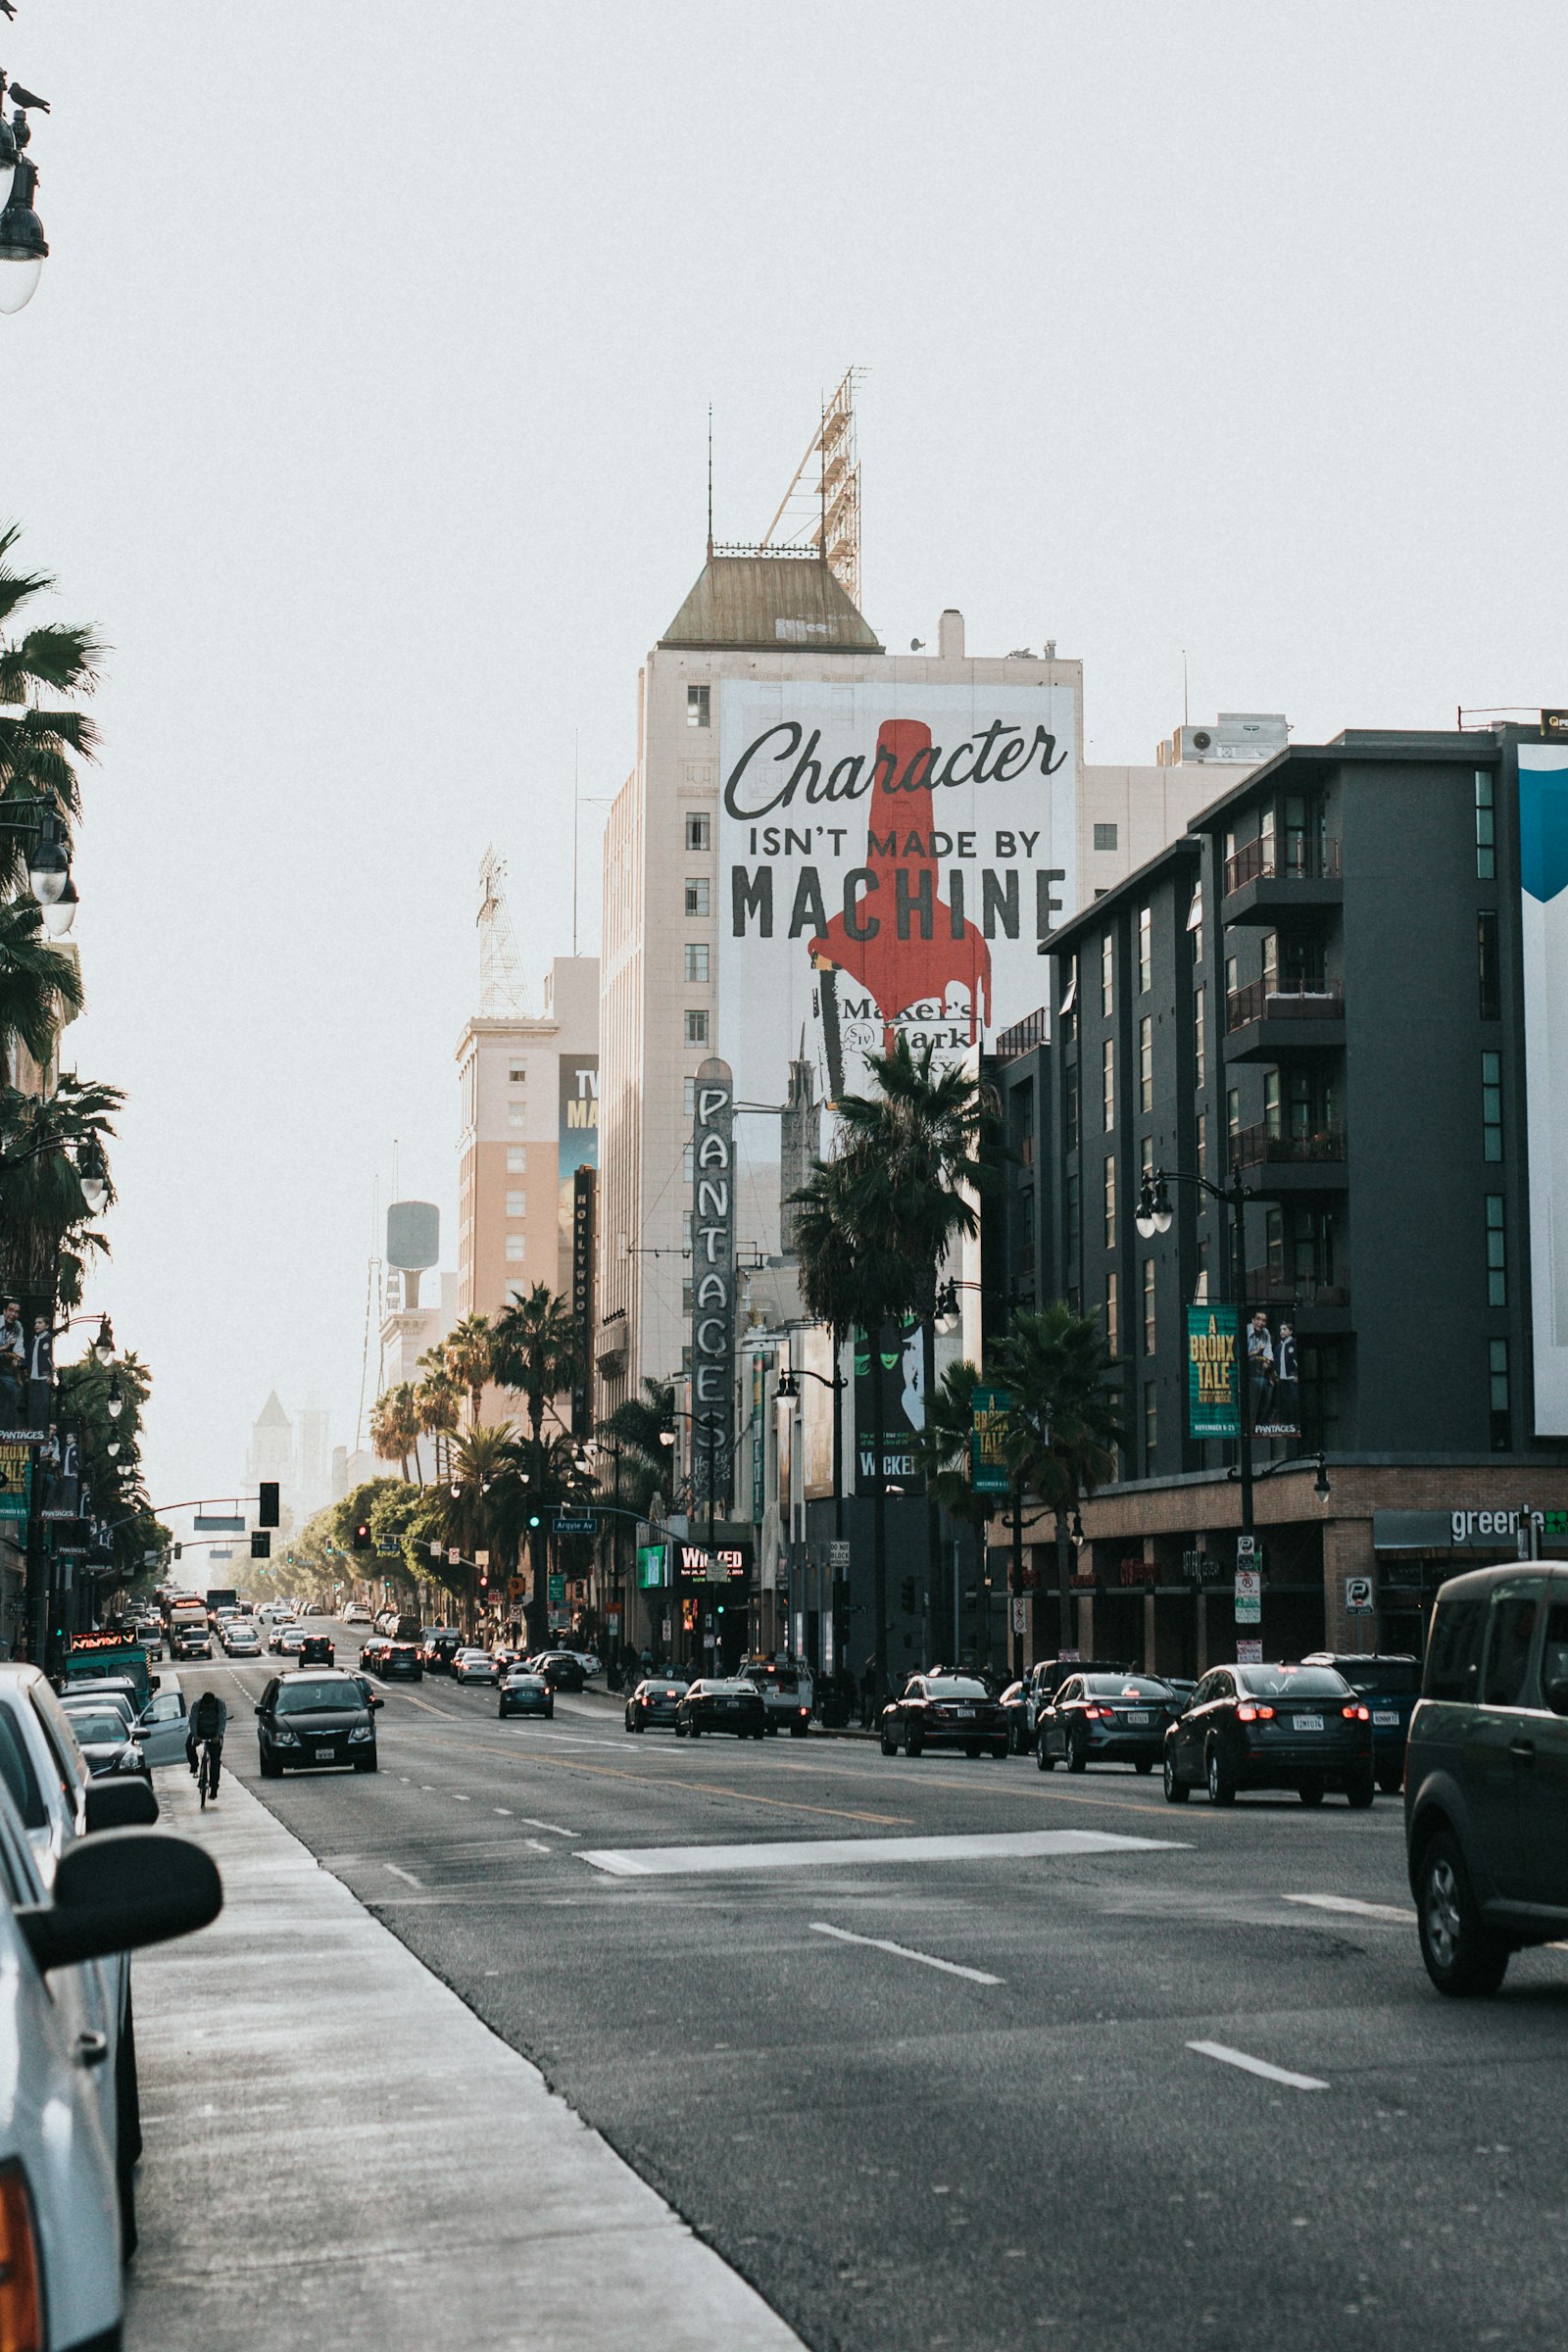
(363, 409)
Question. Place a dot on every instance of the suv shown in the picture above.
(1389, 1681)
(1486, 1771)
(787, 1692)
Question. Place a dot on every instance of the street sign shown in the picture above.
(557, 1594)
(516, 1587)
(579, 1523)
(1248, 1596)
(454, 1555)
(1246, 1550)
(206, 1526)
(1359, 1596)
(389, 1547)
(1020, 1616)
(481, 1559)
(838, 1554)
(1248, 1652)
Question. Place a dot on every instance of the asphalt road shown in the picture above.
(1000, 2132)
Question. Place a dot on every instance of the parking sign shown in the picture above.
(1359, 1596)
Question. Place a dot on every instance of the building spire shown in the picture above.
(709, 481)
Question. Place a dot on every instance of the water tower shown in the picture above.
(412, 1242)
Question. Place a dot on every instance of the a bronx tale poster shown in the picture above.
(891, 855)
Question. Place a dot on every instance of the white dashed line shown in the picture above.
(406, 1875)
(505, 1811)
(538, 1845)
(901, 1951)
(458, 1798)
(554, 1827)
(1256, 2066)
(1352, 1909)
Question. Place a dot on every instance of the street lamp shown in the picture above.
(93, 1178)
(117, 1398)
(22, 250)
(48, 860)
(60, 913)
(1154, 1215)
(103, 1347)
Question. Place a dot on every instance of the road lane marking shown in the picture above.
(901, 1951)
(406, 1875)
(458, 1798)
(539, 1846)
(554, 1827)
(505, 1811)
(828, 1854)
(1256, 2066)
(1352, 1909)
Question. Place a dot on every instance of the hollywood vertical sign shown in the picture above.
(714, 1279)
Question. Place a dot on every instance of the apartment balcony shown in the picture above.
(1024, 1037)
(1265, 881)
(1280, 1164)
(1266, 1021)
(1322, 1309)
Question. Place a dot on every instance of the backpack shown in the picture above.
(207, 1717)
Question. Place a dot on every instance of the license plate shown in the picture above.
(966, 1713)
(1136, 1718)
(1385, 1715)
(324, 1755)
(1309, 1723)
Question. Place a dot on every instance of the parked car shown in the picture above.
(104, 1737)
(561, 1668)
(1271, 1727)
(943, 1710)
(318, 1649)
(1390, 1684)
(525, 1693)
(1015, 1705)
(656, 1700)
(161, 1728)
(241, 1639)
(1485, 1775)
(60, 2166)
(1106, 1719)
(308, 1719)
(713, 1706)
(354, 1615)
(786, 1687)
(93, 1695)
(473, 1666)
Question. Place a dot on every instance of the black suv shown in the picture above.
(1486, 1777)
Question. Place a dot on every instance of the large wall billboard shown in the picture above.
(1543, 937)
(891, 855)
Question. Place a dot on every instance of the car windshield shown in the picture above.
(1383, 1677)
(306, 1698)
(108, 1726)
(729, 1689)
(1292, 1682)
(525, 1682)
(955, 1686)
(1124, 1685)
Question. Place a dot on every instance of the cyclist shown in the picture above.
(208, 1721)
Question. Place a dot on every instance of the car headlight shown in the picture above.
(285, 1738)
(362, 1730)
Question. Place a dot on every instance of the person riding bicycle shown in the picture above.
(208, 1721)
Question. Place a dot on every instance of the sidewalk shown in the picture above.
(337, 2152)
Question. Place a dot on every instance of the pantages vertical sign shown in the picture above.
(583, 1185)
(713, 1281)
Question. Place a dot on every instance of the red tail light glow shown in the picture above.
(1356, 1714)
(1252, 1714)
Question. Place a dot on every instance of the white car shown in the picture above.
(286, 1640)
(66, 2226)
(473, 1666)
(355, 1615)
(241, 1639)
(273, 1612)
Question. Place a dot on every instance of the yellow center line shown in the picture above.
(647, 1779)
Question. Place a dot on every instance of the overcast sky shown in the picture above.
(362, 409)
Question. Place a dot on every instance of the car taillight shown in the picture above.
(1255, 1714)
(645, 1701)
(21, 2288)
(1356, 1714)
(1100, 1714)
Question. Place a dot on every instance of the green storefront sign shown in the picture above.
(988, 1460)
(652, 1567)
(1211, 1397)
(557, 1591)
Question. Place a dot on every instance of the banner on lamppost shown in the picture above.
(15, 1482)
(988, 1464)
(1211, 1388)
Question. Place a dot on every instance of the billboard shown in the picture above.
(902, 1351)
(891, 855)
(1211, 1372)
(1544, 941)
(1273, 1382)
(988, 1451)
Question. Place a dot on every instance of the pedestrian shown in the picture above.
(867, 1694)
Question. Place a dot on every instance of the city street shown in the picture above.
(922, 2097)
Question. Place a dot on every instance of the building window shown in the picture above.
(697, 894)
(1200, 1285)
(688, 1095)
(697, 1028)
(1486, 826)
(698, 831)
(1487, 959)
(1498, 1373)
(1112, 1315)
(1073, 1234)
(696, 954)
(1108, 975)
(517, 1159)
(516, 1203)
(1111, 1205)
(686, 1230)
(1145, 1160)
(1491, 1107)
(688, 1163)
(698, 704)
(688, 1292)
(1496, 1252)
(1318, 1367)
(1026, 1230)
(1108, 1083)
(1070, 1111)
(1150, 1428)
(1201, 1141)
(517, 1114)
(1199, 1054)
(517, 1076)
(1105, 837)
(517, 1247)
(1274, 1243)
(1145, 1063)
(1146, 950)
(1149, 1306)
(1232, 1115)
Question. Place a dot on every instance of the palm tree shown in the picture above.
(395, 1428)
(469, 1347)
(635, 1435)
(1063, 1430)
(39, 741)
(45, 1225)
(537, 1348)
(436, 1400)
(40, 987)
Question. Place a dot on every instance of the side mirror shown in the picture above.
(117, 1893)
(1557, 1694)
(120, 1804)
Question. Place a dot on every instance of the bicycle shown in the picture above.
(208, 1769)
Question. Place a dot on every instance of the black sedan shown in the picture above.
(1015, 1706)
(372, 1655)
(103, 1741)
(400, 1662)
(943, 1710)
(1106, 1719)
(561, 1668)
(656, 1700)
(525, 1693)
(1271, 1727)
(721, 1706)
(317, 1649)
(310, 1719)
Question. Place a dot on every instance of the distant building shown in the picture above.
(313, 1460)
(271, 1446)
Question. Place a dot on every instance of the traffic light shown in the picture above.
(266, 1504)
(178, 1548)
(261, 1544)
(907, 1596)
(361, 1535)
(533, 1518)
